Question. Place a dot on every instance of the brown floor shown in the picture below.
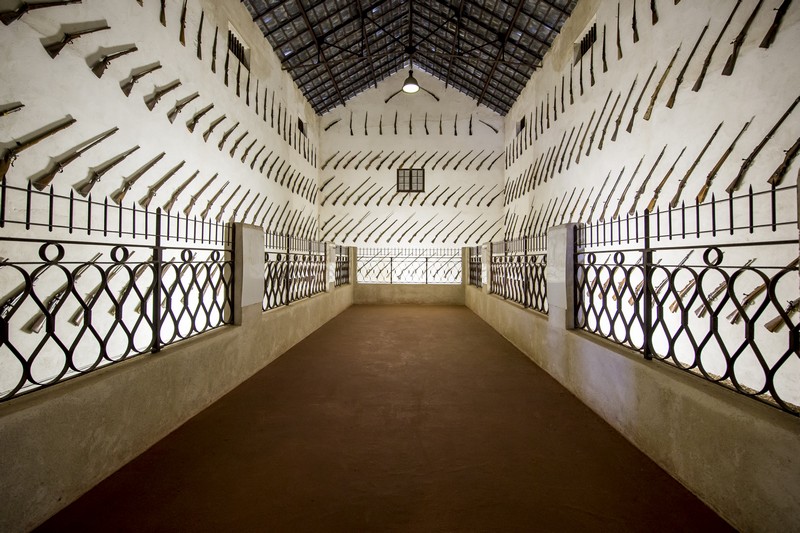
(398, 418)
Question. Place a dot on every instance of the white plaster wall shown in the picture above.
(351, 223)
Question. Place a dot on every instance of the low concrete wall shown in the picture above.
(380, 294)
(738, 455)
(58, 443)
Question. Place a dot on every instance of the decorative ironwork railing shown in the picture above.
(518, 271)
(139, 281)
(475, 267)
(294, 269)
(409, 265)
(342, 270)
(711, 289)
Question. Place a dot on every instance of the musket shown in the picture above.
(634, 24)
(326, 182)
(16, 296)
(380, 235)
(235, 209)
(455, 167)
(455, 228)
(362, 160)
(255, 157)
(195, 196)
(480, 239)
(335, 226)
(68, 37)
(214, 50)
(477, 191)
(353, 192)
(269, 170)
(237, 142)
(597, 126)
(93, 295)
(376, 193)
(679, 79)
(705, 307)
(212, 127)
(400, 239)
(11, 15)
(571, 97)
(585, 134)
(388, 190)
(51, 304)
(472, 160)
(177, 192)
(610, 194)
(773, 29)
(451, 195)
(344, 191)
(585, 204)
(564, 154)
(489, 203)
(249, 207)
(414, 162)
(575, 207)
(389, 239)
(572, 150)
(635, 110)
(366, 239)
(347, 235)
(485, 195)
(439, 160)
(436, 200)
(331, 194)
(192, 122)
(675, 199)
(127, 85)
(427, 195)
(272, 218)
(179, 105)
(783, 168)
(618, 121)
(550, 170)
(433, 228)
(95, 173)
(643, 185)
(707, 62)
(661, 81)
(369, 163)
(496, 159)
(200, 36)
(739, 41)
(325, 164)
(608, 121)
(435, 237)
(361, 196)
(144, 202)
(325, 224)
(774, 325)
(128, 182)
(10, 153)
(348, 161)
(413, 197)
(673, 307)
(153, 99)
(597, 198)
(468, 239)
(484, 160)
(7, 109)
(213, 199)
(737, 181)
(285, 172)
(288, 222)
(182, 34)
(619, 43)
(429, 158)
(378, 167)
(652, 205)
(100, 66)
(455, 126)
(44, 179)
(162, 17)
(713, 174)
(564, 212)
(403, 164)
(225, 136)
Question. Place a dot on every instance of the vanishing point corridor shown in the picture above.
(393, 418)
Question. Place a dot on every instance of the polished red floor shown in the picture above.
(398, 418)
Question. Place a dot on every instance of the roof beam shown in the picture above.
(365, 40)
(310, 28)
(455, 41)
(500, 52)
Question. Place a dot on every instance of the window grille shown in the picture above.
(410, 180)
(583, 44)
(238, 49)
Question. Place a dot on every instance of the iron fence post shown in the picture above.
(287, 276)
(391, 271)
(426, 270)
(157, 273)
(647, 259)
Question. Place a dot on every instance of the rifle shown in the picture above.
(575, 207)
(371, 233)
(7, 109)
(99, 171)
(455, 167)
(778, 322)
(739, 41)
(362, 160)
(16, 296)
(652, 205)
(162, 17)
(462, 196)
(212, 127)
(489, 204)
(376, 193)
(566, 207)
(326, 182)
(325, 164)
(341, 194)
(629, 128)
(228, 200)
(608, 121)
(153, 189)
(436, 200)
(237, 142)
(369, 164)
(605, 63)
(226, 135)
(59, 163)
(618, 121)
(179, 105)
(634, 24)
(362, 194)
(713, 174)
(93, 295)
(51, 304)
(783, 168)
(429, 158)
(403, 164)
(585, 134)
(773, 29)
(200, 37)
(272, 218)
(597, 198)
(664, 282)
(673, 307)
(625, 190)
(213, 199)
(484, 160)
(9, 154)
(11, 15)
(331, 194)
(177, 192)
(610, 194)
(485, 195)
(182, 34)
(641, 189)
(661, 81)
(192, 122)
(451, 195)
(679, 79)
(249, 207)
(405, 197)
(493, 162)
(737, 181)
(705, 307)
(214, 51)
(68, 37)
(336, 165)
(247, 151)
(416, 232)
(674, 202)
(353, 192)
(128, 182)
(389, 239)
(127, 85)
(707, 62)
(472, 160)
(153, 99)
(585, 204)
(100, 66)
(438, 160)
(619, 44)
(269, 171)
(194, 197)
(353, 228)
(564, 154)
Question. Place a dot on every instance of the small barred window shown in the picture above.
(410, 180)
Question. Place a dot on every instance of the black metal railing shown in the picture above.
(711, 289)
(295, 269)
(139, 281)
(342, 269)
(409, 265)
(517, 271)
(475, 267)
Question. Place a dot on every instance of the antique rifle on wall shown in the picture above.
(214, 50)
(162, 16)
(68, 37)
(649, 111)
(783, 168)
(238, 206)
(128, 182)
(654, 11)
(618, 120)
(634, 24)
(195, 196)
(226, 202)
(619, 48)
(192, 122)
(177, 192)
(7, 109)
(10, 153)
(100, 66)
(583, 139)
(144, 202)
(179, 105)
(597, 198)
(643, 185)
(58, 165)
(704, 308)
(675, 199)
(773, 29)
(713, 174)
(737, 181)
(484, 160)
(585, 204)
(127, 85)
(199, 50)
(93, 295)
(376, 193)
(225, 136)
(398, 157)
(325, 164)
(153, 99)
(610, 194)
(774, 325)
(11, 15)
(575, 207)
(85, 187)
(597, 126)
(652, 205)
(707, 62)
(212, 127)
(182, 34)
(608, 121)
(679, 79)
(212, 200)
(739, 41)
(625, 190)
(635, 110)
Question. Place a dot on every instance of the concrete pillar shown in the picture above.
(486, 267)
(465, 266)
(330, 267)
(560, 275)
(248, 269)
